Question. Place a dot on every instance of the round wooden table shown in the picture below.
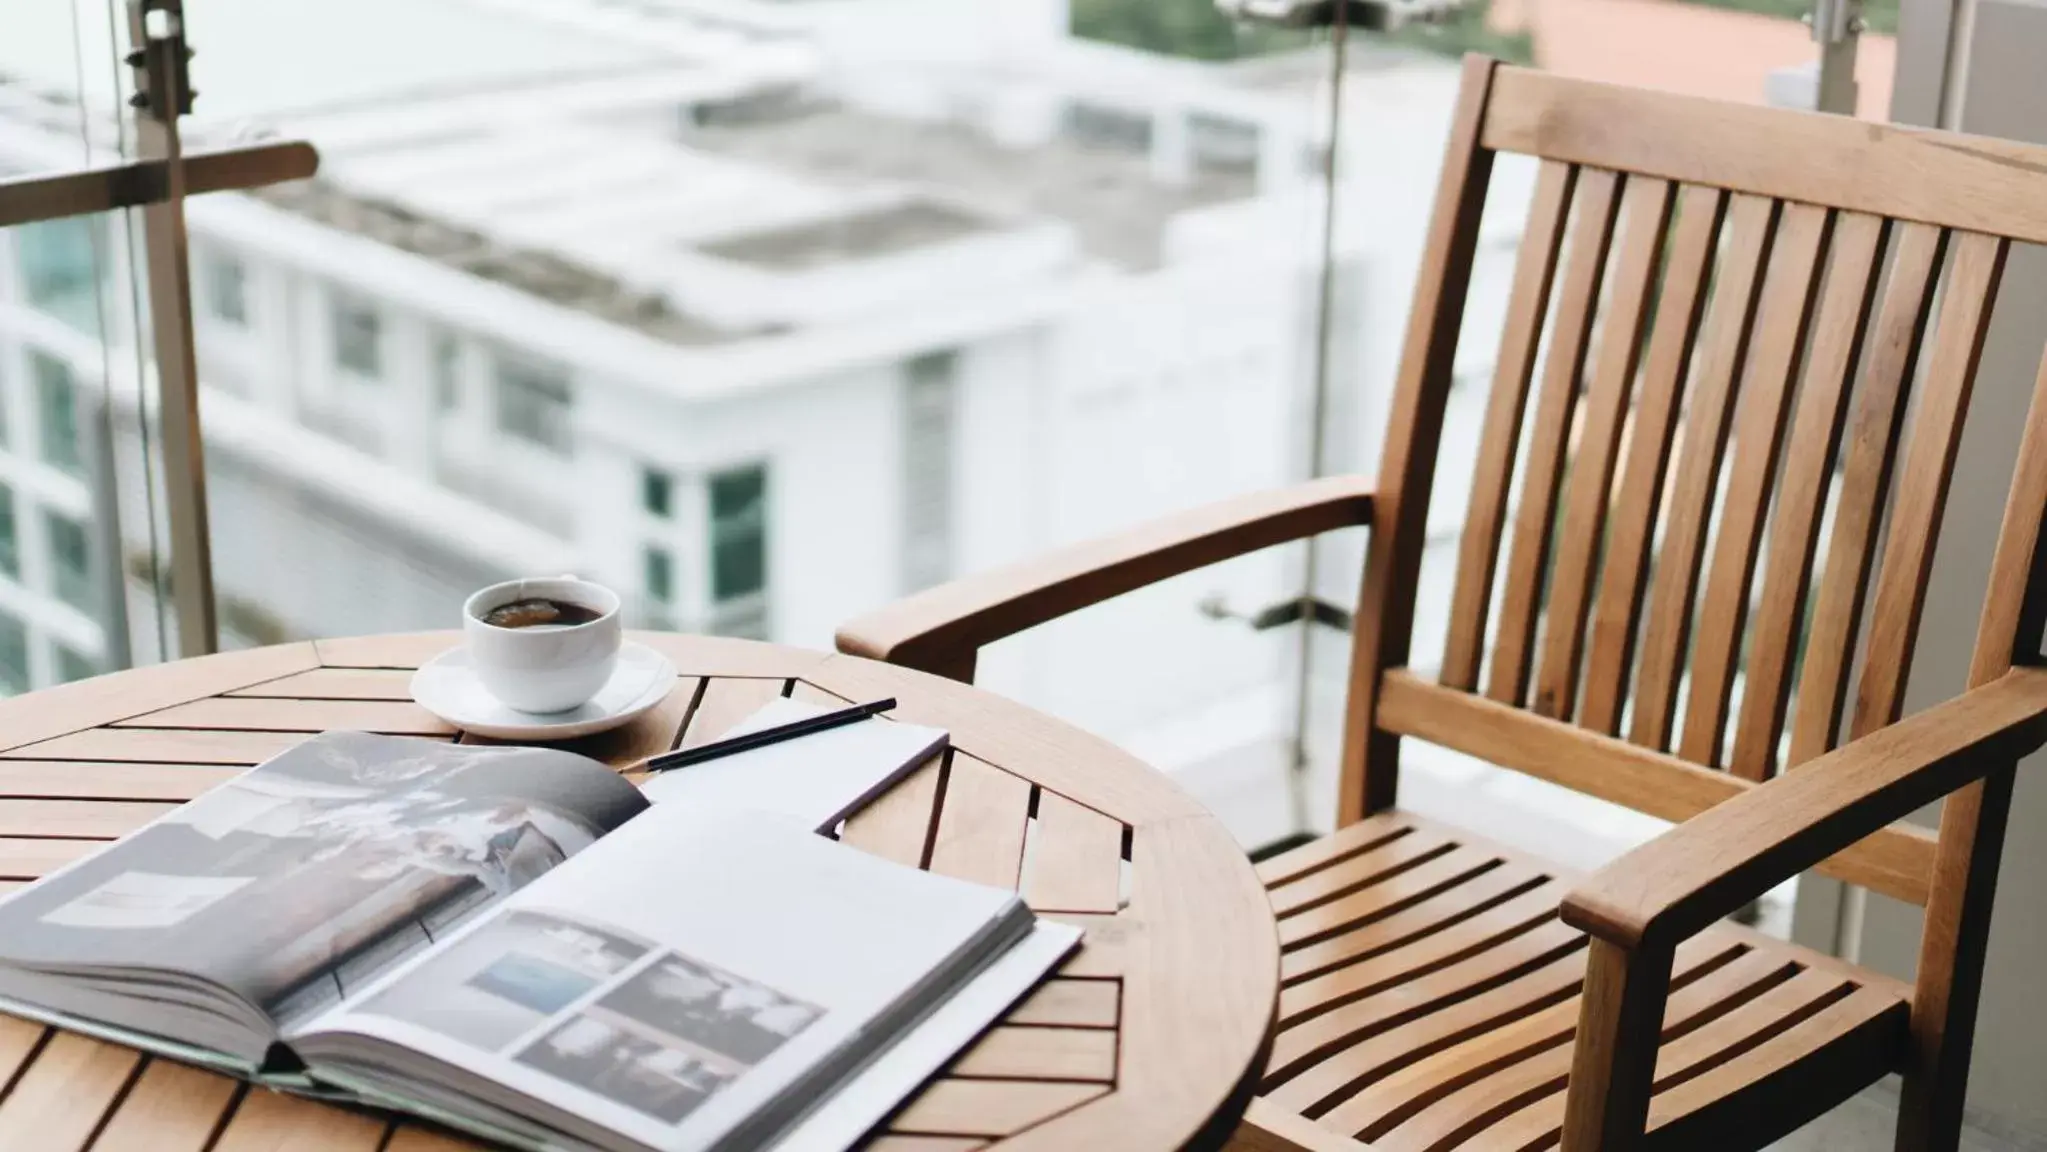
(1150, 1037)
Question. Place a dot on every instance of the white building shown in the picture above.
(764, 314)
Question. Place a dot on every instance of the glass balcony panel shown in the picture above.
(80, 539)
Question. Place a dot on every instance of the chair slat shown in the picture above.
(1666, 629)
(1493, 472)
(1645, 210)
(1351, 1069)
(1789, 294)
(1801, 497)
(1870, 448)
(1564, 365)
(1631, 529)
(1901, 581)
(1863, 1031)
(1452, 1097)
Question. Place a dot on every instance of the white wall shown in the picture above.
(2001, 91)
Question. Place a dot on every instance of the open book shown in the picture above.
(515, 942)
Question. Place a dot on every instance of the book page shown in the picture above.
(677, 977)
(313, 871)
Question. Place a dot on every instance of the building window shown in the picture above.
(657, 493)
(60, 268)
(1101, 126)
(13, 653)
(659, 570)
(73, 666)
(739, 551)
(447, 372)
(533, 404)
(57, 413)
(227, 290)
(10, 536)
(70, 560)
(928, 418)
(358, 338)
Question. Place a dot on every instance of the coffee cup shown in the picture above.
(544, 667)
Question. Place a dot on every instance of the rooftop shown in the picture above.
(1108, 195)
(875, 232)
(546, 275)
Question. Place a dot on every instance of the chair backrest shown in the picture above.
(1724, 322)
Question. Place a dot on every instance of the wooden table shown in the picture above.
(1150, 1037)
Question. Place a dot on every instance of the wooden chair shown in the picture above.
(1765, 271)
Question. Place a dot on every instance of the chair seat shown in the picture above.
(1429, 994)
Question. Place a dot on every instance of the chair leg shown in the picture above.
(1613, 1061)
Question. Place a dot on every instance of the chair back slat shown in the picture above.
(1969, 183)
(1527, 304)
(1596, 205)
(1645, 216)
(1801, 498)
(1870, 448)
(1666, 631)
(1631, 528)
(1789, 292)
(1973, 276)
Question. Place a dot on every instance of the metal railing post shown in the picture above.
(163, 93)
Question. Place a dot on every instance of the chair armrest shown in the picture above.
(941, 628)
(1713, 863)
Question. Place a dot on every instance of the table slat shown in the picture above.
(895, 1142)
(107, 780)
(982, 818)
(649, 735)
(161, 746)
(1013, 1053)
(1074, 859)
(84, 819)
(993, 1108)
(1068, 1003)
(725, 702)
(272, 1122)
(57, 1103)
(246, 714)
(897, 825)
(1105, 949)
(82, 704)
(336, 684)
(30, 859)
(413, 1138)
(406, 650)
(172, 1108)
(18, 1040)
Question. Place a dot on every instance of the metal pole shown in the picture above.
(98, 445)
(1837, 28)
(1318, 415)
(156, 29)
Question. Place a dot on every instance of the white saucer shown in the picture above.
(447, 687)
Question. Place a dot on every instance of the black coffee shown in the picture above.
(539, 613)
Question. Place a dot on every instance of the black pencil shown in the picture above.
(766, 736)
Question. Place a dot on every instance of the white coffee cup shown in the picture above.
(545, 667)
